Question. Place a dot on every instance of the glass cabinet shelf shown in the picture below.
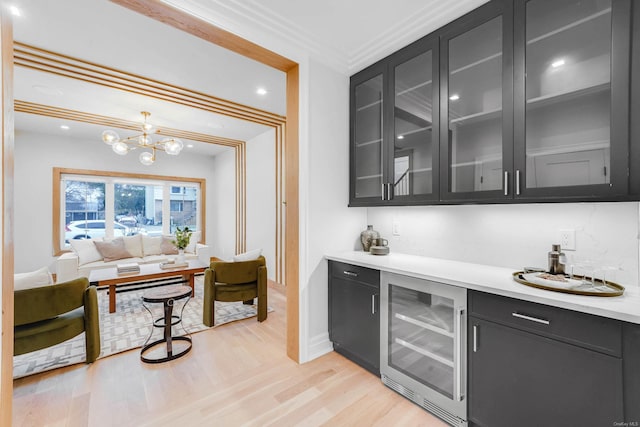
(424, 325)
(413, 88)
(373, 104)
(369, 177)
(365, 143)
(477, 117)
(477, 63)
(570, 26)
(575, 94)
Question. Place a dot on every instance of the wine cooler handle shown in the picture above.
(459, 380)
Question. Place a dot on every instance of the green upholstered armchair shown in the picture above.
(235, 281)
(49, 315)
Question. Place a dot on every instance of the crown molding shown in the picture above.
(255, 21)
(432, 16)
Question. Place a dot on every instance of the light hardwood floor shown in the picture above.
(235, 375)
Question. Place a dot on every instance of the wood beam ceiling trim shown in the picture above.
(51, 62)
(190, 24)
(79, 116)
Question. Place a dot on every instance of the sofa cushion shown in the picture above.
(248, 256)
(151, 245)
(195, 239)
(167, 247)
(86, 250)
(32, 279)
(113, 250)
(133, 244)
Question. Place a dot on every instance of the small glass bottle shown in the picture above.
(557, 260)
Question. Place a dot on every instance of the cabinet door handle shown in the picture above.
(518, 182)
(532, 319)
(373, 304)
(350, 273)
(506, 183)
(475, 338)
(389, 191)
(384, 191)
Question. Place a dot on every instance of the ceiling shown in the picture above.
(344, 34)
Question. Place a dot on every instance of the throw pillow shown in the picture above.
(133, 244)
(248, 256)
(113, 250)
(167, 247)
(151, 245)
(86, 250)
(32, 279)
(195, 239)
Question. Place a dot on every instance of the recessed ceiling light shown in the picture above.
(400, 136)
(64, 127)
(557, 63)
(15, 11)
(261, 91)
(189, 145)
(47, 90)
(454, 97)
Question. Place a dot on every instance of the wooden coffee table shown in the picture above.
(110, 277)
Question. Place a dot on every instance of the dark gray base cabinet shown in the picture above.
(354, 317)
(535, 365)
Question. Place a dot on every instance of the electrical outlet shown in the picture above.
(395, 228)
(567, 239)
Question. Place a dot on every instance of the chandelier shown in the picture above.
(171, 146)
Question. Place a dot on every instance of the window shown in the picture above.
(93, 204)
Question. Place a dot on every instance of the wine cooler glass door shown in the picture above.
(424, 339)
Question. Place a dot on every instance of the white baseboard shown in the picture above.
(319, 346)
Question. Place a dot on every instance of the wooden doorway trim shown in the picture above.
(6, 327)
(207, 31)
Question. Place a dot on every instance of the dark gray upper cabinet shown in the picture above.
(476, 104)
(394, 143)
(571, 98)
(516, 101)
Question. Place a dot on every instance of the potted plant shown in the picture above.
(182, 241)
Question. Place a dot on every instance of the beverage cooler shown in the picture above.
(423, 344)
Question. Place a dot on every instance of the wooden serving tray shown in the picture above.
(573, 285)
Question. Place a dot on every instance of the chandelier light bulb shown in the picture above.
(120, 148)
(173, 146)
(109, 137)
(144, 140)
(146, 158)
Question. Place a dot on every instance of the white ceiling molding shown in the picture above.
(259, 22)
(260, 25)
(433, 15)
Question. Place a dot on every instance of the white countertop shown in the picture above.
(495, 280)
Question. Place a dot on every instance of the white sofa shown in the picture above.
(86, 257)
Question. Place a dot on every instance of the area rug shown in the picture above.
(128, 328)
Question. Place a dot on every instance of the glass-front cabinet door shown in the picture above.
(367, 136)
(414, 149)
(571, 84)
(476, 140)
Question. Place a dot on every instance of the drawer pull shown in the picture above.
(532, 319)
(350, 273)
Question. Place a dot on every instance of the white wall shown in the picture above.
(330, 224)
(37, 154)
(261, 197)
(222, 207)
(515, 236)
